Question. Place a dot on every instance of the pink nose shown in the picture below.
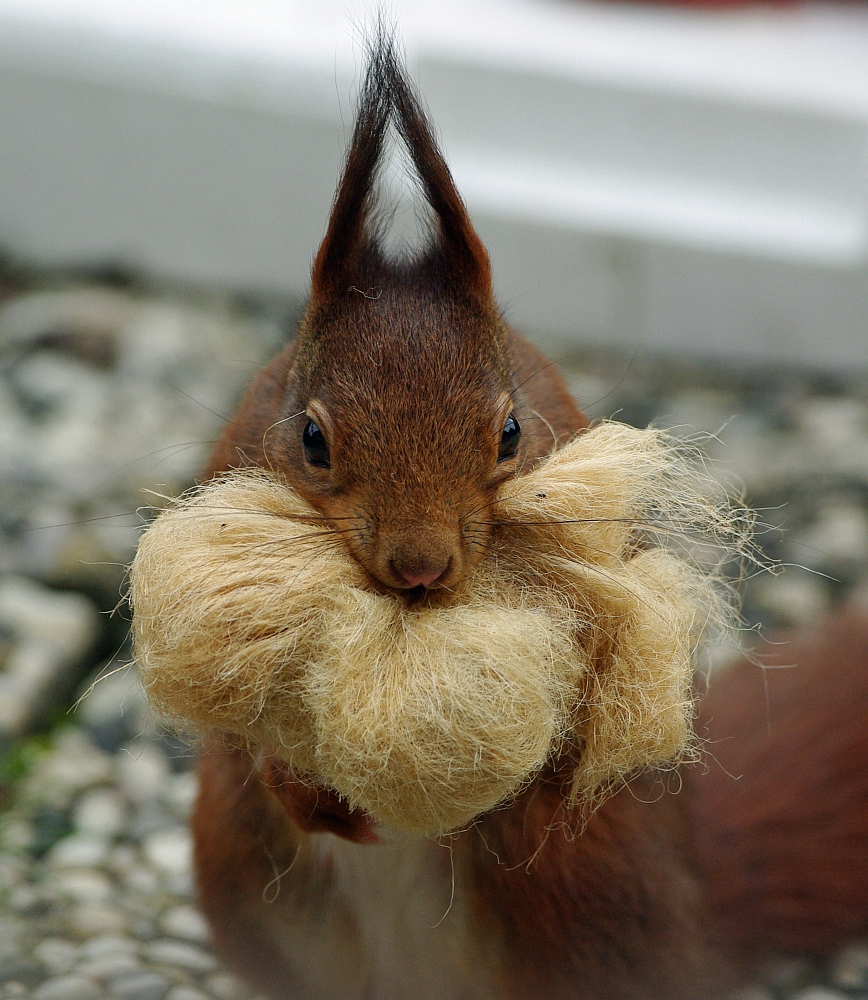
(424, 578)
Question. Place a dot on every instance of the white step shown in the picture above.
(644, 175)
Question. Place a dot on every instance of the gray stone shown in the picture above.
(51, 632)
(100, 812)
(224, 986)
(849, 968)
(839, 535)
(83, 885)
(795, 597)
(788, 973)
(139, 986)
(70, 987)
(113, 696)
(73, 765)
(109, 944)
(186, 993)
(12, 871)
(95, 919)
(20, 970)
(57, 954)
(142, 879)
(751, 993)
(181, 954)
(185, 922)
(78, 851)
(23, 898)
(179, 794)
(17, 834)
(170, 851)
(141, 771)
(149, 817)
(104, 967)
(78, 311)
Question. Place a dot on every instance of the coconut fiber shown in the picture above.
(569, 646)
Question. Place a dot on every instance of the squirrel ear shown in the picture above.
(349, 242)
(347, 239)
(459, 249)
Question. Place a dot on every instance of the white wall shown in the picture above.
(640, 174)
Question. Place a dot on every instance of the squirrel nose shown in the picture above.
(424, 577)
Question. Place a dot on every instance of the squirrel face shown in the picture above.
(406, 425)
(399, 418)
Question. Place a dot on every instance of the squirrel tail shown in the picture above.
(781, 806)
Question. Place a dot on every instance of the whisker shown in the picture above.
(226, 420)
(71, 524)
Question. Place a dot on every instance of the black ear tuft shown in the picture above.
(347, 240)
(388, 96)
(460, 249)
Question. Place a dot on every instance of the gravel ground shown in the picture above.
(108, 390)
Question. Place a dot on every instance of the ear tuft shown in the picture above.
(351, 243)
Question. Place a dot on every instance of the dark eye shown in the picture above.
(315, 446)
(509, 438)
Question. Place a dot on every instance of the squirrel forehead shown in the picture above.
(379, 350)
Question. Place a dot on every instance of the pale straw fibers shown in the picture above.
(570, 644)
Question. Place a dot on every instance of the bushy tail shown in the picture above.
(781, 810)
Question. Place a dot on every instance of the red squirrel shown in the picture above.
(402, 404)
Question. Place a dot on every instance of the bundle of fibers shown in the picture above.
(569, 645)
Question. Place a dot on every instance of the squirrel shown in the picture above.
(404, 401)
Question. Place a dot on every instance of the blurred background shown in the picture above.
(675, 199)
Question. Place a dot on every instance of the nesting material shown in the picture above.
(570, 644)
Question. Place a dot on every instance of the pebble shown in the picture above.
(180, 953)
(112, 704)
(819, 993)
(83, 885)
(79, 850)
(51, 632)
(20, 970)
(149, 817)
(108, 966)
(73, 765)
(185, 922)
(170, 851)
(225, 986)
(140, 986)
(186, 993)
(789, 973)
(179, 794)
(109, 944)
(849, 968)
(97, 919)
(140, 878)
(142, 771)
(838, 535)
(23, 898)
(100, 813)
(56, 954)
(71, 987)
(796, 597)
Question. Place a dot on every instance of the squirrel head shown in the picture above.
(400, 393)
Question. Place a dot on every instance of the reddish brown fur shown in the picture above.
(411, 371)
(781, 815)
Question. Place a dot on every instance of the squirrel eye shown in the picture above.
(316, 448)
(509, 439)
